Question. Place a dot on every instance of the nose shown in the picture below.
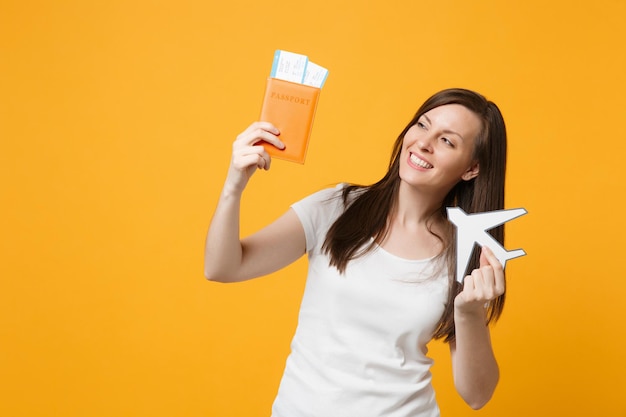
(425, 143)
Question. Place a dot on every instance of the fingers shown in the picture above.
(481, 285)
(486, 282)
(260, 131)
(248, 154)
(487, 257)
(252, 156)
(496, 268)
(247, 149)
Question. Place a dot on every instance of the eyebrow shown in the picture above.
(445, 130)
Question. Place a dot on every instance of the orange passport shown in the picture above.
(291, 108)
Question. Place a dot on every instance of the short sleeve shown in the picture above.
(317, 213)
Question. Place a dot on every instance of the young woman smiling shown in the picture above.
(381, 281)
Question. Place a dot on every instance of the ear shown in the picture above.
(472, 172)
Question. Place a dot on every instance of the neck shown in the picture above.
(416, 228)
(417, 207)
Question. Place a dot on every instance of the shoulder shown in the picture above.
(326, 197)
(318, 211)
(324, 202)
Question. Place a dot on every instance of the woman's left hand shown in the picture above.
(483, 285)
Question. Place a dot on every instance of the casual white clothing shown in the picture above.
(360, 346)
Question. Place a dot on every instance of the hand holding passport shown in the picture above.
(290, 100)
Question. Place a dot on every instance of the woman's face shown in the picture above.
(437, 152)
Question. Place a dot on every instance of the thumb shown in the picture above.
(484, 261)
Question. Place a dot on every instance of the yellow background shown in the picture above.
(116, 124)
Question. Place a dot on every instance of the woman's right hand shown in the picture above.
(249, 154)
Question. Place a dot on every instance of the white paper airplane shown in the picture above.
(472, 228)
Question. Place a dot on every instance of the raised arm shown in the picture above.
(474, 364)
(227, 257)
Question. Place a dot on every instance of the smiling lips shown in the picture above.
(420, 162)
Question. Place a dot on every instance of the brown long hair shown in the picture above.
(367, 208)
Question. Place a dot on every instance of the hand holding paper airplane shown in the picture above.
(473, 228)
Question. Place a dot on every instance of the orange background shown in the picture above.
(116, 124)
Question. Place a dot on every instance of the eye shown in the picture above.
(448, 142)
(421, 125)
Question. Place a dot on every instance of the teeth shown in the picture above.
(420, 162)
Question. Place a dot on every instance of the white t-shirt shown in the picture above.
(360, 345)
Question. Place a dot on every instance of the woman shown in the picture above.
(381, 280)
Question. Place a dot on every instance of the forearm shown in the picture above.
(475, 368)
(227, 258)
(223, 251)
